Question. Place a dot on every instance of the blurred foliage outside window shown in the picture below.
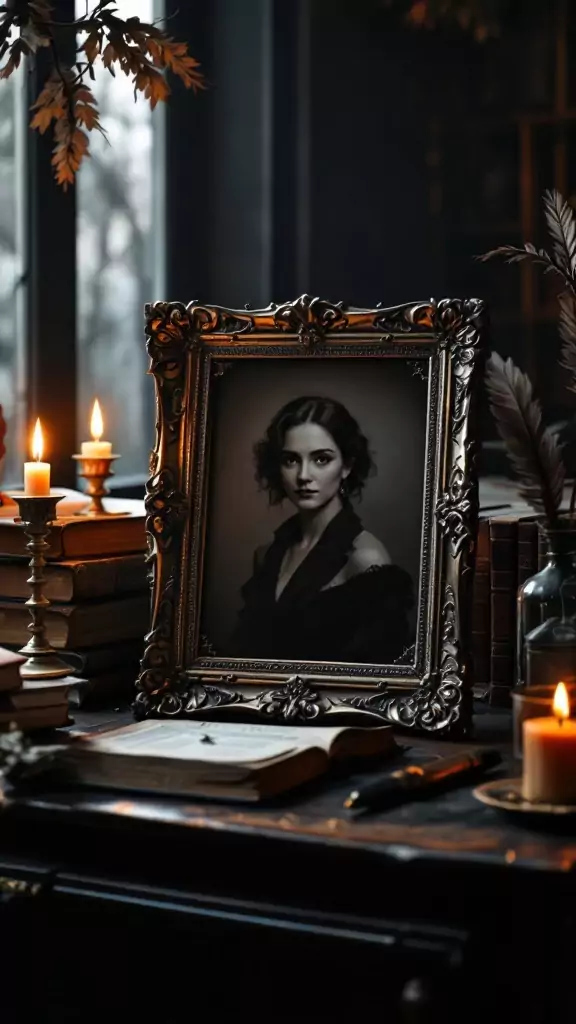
(11, 336)
(115, 251)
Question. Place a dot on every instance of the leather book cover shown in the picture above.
(77, 580)
(70, 626)
(480, 636)
(10, 663)
(503, 589)
(527, 550)
(83, 537)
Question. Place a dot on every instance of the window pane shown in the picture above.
(11, 299)
(115, 261)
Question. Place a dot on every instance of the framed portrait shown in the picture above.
(312, 512)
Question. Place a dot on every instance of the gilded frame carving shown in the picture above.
(190, 346)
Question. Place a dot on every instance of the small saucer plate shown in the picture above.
(506, 795)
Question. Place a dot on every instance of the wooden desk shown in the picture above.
(290, 912)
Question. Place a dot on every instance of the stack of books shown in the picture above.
(96, 581)
(509, 551)
(31, 704)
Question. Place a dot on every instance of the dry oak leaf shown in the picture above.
(92, 45)
(174, 56)
(153, 85)
(70, 149)
(18, 49)
(85, 109)
(51, 105)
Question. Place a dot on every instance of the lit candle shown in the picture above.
(96, 449)
(550, 755)
(37, 474)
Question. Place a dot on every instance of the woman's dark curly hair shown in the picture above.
(336, 420)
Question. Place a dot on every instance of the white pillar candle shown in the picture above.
(37, 473)
(549, 770)
(96, 449)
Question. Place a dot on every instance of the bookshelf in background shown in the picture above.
(510, 134)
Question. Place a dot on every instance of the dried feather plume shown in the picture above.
(533, 450)
(561, 224)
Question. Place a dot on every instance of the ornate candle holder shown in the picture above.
(36, 516)
(96, 471)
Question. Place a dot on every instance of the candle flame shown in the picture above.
(37, 442)
(561, 704)
(96, 422)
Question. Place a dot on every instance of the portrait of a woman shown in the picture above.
(323, 588)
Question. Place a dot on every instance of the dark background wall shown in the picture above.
(340, 152)
(389, 404)
(304, 159)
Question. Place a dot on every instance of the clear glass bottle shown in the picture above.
(550, 594)
(550, 654)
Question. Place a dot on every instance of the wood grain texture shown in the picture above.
(452, 829)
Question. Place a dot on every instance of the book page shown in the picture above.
(212, 742)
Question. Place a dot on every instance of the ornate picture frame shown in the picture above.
(190, 348)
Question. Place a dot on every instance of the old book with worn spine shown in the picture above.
(481, 591)
(480, 636)
(74, 537)
(10, 663)
(503, 585)
(80, 625)
(36, 693)
(55, 716)
(37, 704)
(78, 579)
(527, 549)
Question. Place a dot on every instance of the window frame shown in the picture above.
(48, 290)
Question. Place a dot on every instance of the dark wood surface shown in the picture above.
(298, 889)
(451, 829)
(451, 825)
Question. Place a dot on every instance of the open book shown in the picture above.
(215, 759)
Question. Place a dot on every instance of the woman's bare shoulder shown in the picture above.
(366, 553)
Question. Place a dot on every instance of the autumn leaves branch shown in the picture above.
(142, 51)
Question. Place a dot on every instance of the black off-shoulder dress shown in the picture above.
(362, 620)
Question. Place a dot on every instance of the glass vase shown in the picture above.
(548, 597)
(550, 653)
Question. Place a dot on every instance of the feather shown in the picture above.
(516, 254)
(533, 450)
(562, 227)
(567, 328)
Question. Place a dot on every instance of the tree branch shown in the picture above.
(143, 51)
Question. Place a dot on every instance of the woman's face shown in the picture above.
(312, 467)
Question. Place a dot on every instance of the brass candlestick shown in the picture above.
(36, 516)
(96, 471)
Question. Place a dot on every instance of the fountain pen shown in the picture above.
(418, 781)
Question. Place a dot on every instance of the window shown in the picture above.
(117, 268)
(11, 282)
(116, 243)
